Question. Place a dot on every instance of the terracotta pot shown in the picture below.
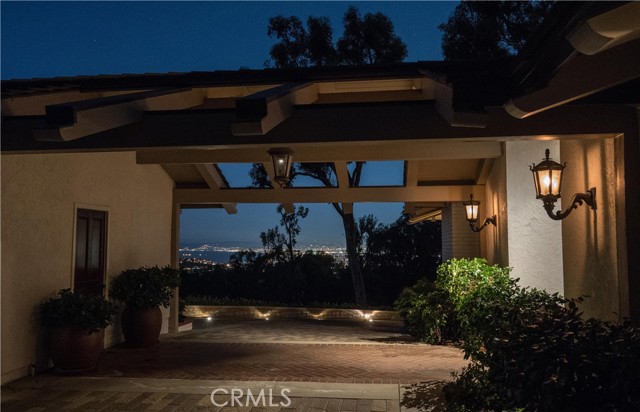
(141, 327)
(75, 349)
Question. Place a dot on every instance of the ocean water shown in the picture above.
(221, 253)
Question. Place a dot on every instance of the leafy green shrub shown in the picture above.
(530, 350)
(427, 312)
(463, 278)
(442, 310)
(69, 309)
(540, 355)
(146, 287)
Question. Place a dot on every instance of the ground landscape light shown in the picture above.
(281, 159)
(471, 209)
(547, 177)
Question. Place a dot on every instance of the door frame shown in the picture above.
(97, 208)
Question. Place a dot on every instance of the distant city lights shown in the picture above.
(199, 258)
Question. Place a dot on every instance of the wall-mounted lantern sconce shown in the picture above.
(471, 209)
(547, 176)
(282, 159)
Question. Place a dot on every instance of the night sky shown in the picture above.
(49, 39)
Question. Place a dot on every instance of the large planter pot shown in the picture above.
(141, 327)
(75, 349)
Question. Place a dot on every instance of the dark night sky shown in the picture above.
(48, 39)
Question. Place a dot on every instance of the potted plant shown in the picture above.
(143, 291)
(75, 324)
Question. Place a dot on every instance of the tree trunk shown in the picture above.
(352, 254)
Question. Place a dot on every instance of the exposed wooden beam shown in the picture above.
(397, 127)
(606, 30)
(425, 214)
(377, 85)
(216, 181)
(35, 105)
(347, 208)
(201, 206)
(231, 208)
(336, 152)
(330, 195)
(342, 174)
(262, 111)
(411, 173)
(581, 77)
(289, 207)
(443, 95)
(78, 119)
(484, 168)
(211, 174)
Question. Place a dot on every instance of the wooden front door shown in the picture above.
(91, 247)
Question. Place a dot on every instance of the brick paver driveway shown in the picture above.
(329, 366)
(288, 350)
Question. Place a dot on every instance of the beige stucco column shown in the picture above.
(534, 240)
(174, 309)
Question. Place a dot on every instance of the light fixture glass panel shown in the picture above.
(548, 182)
(281, 164)
(472, 211)
(556, 178)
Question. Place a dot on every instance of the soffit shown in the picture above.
(439, 171)
(185, 175)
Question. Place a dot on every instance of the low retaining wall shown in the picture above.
(273, 312)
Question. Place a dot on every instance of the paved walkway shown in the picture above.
(327, 366)
(52, 393)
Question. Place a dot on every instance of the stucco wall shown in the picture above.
(590, 251)
(40, 194)
(497, 248)
(535, 240)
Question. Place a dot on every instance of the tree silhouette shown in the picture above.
(275, 242)
(320, 49)
(490, 29)
(397, 254)
(368, 40)
(371, 40)
(289, 222)
(323, 172)
(291, 50)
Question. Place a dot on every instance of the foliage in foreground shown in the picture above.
(531, 350)
(70, 309)
(540, 355)
(427, 313)
(145, 287)
(431, 310)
